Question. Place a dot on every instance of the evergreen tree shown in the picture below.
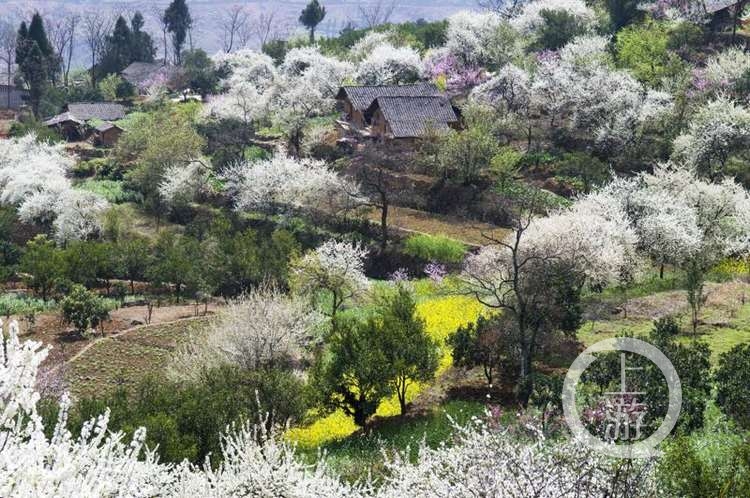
(39, 35)
(179, 22)
(117, 54)
(36, 59)
(411, 354)
(22, 43)
(142, 46)
(311, 16)
(50, 59)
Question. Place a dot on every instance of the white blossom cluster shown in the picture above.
(530, 19)
(283, 182)
(261, 328)
(727, 67)
(578, 88)
(303, 86)
(390, 65)
(678, 216)
(185, 183)
(334, 264)
(716, 131)
(33, 178)
(475, 38)
(248, 89)
(597, 243)
(315, 70)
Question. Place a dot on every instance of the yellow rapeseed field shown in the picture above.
(442, 316)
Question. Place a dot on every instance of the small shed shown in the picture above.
(107, 134)
(355, 100)
(72, 123)
(410, 117)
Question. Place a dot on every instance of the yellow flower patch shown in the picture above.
(442, 315)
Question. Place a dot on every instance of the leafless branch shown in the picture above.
(377, 13)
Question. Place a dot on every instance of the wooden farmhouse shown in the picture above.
(107, 134)
(410, 117)
(81, 119)
(395, 111)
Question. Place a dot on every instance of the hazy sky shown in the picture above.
(207, 14)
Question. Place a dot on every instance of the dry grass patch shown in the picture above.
(413, 220)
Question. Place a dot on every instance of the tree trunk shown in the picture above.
(525, 382)
(401, 385)
(384, 224)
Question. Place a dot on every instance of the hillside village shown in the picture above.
(363, 264)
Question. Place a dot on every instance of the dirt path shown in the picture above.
(121, 333)
(51, 331)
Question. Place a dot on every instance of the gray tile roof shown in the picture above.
(106, 127)
(717, 5)
(106, 111)
(362, 97)
(63, 118)
(411, 117)
(18, 97)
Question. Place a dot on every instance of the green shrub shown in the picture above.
(186, 421)
(13, 304)
(43, 133)
(111, 190)
(83, 169)
(435, 248)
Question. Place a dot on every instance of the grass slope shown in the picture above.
(126, 359)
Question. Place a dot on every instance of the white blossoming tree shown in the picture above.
(389, 65)
(262, 329)
(79, 215)
(481, 38)
(325, 74)
(33, 179)
(718, 130)
(283, 183)
(577, 88)
(684, 220)
(531, 19)
(543, 258)
(185, 183)
(335, 268)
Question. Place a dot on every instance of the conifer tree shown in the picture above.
(311, 16)
(179, 22)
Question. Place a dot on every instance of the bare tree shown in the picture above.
(266, 26)
(8, 51)
(62, 33)
(233, 23)
(506, 8)
(377, 12)
(96, 27)
(193, 29)
(157, 13)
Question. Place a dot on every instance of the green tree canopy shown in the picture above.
(179, 22)
(311, 16)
